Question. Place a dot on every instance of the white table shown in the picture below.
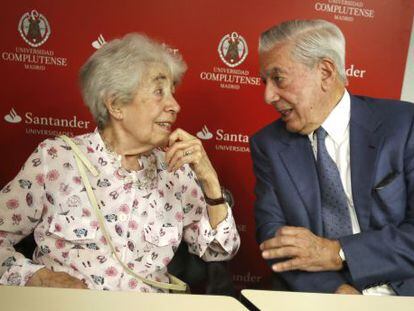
(13, 298)
(290, 301)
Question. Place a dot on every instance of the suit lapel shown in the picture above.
(365, 142)
(299, 160)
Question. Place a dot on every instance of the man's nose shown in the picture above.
(271, 94)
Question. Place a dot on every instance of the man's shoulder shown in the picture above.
(384, 105)
(270, 132)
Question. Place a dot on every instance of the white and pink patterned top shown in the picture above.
(147, 213)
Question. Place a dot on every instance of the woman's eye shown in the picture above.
(159, 92)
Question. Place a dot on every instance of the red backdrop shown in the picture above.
(41, 82)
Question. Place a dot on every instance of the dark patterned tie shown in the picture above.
(335, 213)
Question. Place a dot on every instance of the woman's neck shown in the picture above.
(122, 144)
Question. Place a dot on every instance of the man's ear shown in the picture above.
(114, 108)
(328, 73)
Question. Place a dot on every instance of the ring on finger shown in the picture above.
(187, 153)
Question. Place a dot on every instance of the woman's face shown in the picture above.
(149, 118)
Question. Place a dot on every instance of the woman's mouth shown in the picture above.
(165, 125)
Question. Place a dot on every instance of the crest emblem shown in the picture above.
(233, 49)
(34, 28)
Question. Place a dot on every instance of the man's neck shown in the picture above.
(332, 99)
(335, 97)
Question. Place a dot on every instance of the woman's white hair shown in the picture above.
(116, 69)
(312, 40)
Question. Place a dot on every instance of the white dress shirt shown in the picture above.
(337, 145)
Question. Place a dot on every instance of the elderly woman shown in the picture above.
(154, 186)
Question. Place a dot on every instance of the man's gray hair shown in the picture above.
(116, 69)
(312, 40)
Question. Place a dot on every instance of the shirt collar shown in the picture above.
(338, 120)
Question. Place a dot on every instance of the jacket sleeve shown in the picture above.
(386, 253)
(269, 218)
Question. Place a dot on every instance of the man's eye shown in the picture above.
(277, 79)
(159, 92)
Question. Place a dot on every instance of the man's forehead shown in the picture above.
(278, 60)
(275, 68)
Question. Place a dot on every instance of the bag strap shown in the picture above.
(81, 162)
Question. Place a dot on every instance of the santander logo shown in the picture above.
(204, 134)
(32, 119)
(222, 135)
(97, 44)
(13, 117)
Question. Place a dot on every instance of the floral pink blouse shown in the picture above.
(147, 213)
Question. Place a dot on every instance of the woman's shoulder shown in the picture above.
(55, 145)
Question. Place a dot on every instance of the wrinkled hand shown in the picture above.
(347, 289)
(183, 148)
(47, 278)
(303, 251)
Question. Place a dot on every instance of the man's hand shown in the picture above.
(303, 251)
(347, 290)
(47, 278)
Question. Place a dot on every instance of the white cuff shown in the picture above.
(342, 255)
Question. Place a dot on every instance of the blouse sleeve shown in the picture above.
(21, 207)
(210, 244)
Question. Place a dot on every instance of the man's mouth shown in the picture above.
(285, 112)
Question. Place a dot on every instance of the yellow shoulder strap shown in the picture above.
(82, 161)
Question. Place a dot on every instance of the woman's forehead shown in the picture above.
(157, 73)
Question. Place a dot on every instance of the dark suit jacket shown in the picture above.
(382, 174)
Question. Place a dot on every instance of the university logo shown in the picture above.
(204, 134)
(34, 28)
(233, 49)
(13, 117)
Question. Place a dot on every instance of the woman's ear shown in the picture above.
(114, 108)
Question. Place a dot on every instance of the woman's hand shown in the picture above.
(183, 148)
(47, 278)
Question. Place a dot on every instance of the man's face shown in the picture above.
(293, 89)
(150, 116)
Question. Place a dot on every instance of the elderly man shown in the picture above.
(335, 182)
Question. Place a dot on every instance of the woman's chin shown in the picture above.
(162, 143)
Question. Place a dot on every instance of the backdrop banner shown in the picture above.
(44, 43)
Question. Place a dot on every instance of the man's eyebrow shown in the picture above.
(275, 70)
(271, 72)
